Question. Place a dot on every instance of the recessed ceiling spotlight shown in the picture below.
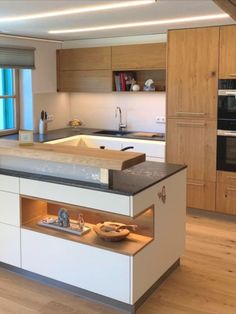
(137, 24)
(118, 5)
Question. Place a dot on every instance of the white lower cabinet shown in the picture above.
(84, 266)
(10, 245)
(109, 202)
(154, 150)
(10, 221)
(10, 208)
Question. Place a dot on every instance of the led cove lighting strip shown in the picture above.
(119, 5)
(149, 23)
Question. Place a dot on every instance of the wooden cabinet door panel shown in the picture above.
(85, 59)
(130, 57)
(193, 72)
(226, 198)
(227, 52)
(193, 143)
(85, 81)
(201, 194)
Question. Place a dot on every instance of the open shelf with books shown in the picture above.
(134, 80)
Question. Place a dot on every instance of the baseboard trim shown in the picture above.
(211, 214)
(94, 297)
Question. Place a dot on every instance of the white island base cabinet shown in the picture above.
(120, 276)
(83, 266)
(10, 252)
(10, 221)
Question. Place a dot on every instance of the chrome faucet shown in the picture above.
(121, 124)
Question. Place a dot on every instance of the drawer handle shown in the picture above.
(197, 125)
(230, 190)
(162, 194)
(230, 177)
(196, 184)
(232, 74)
(182, 113)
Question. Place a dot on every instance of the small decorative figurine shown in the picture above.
(81, 221)
(136, 88)
(149, 86)
(63, 218)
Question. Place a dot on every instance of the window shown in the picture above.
(8, 100)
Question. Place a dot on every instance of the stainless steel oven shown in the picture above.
(226, 150)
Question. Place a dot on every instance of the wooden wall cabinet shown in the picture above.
(192, 109)
(85, 59)
(86, 81)
(140, 57)
(84, 70)
(227, 52)
(90, 69)
(193, 72)
(226, 192)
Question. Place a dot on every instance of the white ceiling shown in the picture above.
(163, 9)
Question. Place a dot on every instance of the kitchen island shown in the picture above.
(150, 195)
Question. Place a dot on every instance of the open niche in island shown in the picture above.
(120, 233)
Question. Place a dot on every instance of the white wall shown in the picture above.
(139, 110)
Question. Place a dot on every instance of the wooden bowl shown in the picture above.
(110, 235)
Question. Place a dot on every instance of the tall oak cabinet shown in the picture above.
(192, 109)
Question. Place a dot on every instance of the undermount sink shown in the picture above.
(113, 132)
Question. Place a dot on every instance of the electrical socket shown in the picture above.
(160, 119)
(50, 117)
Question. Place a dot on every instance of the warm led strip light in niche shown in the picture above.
(137, 24)
(119, 5)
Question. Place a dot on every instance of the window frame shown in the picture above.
(16, 98)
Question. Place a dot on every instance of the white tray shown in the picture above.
(74, 227)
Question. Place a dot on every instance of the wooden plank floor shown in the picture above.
(204, 284)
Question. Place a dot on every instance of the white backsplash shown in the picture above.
(139, 110)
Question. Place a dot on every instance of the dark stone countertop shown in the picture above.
(127, 182)
(67, 132)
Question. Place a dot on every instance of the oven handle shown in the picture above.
(226, 133)
(225, 92)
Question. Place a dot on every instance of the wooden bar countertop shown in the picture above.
(92, 157)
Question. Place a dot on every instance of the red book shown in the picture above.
(122, 81)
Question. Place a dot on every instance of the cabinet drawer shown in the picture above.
(10, 245)
(10, 208)
(226, 198)
(76, 264)
(150, 148)
(109, 202)
(201, 194)
(9, 184)
(226, 177)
